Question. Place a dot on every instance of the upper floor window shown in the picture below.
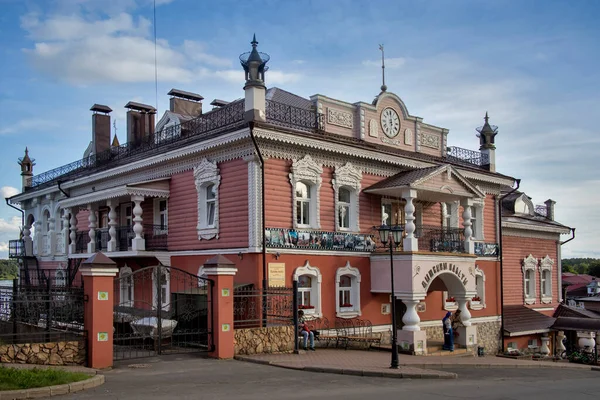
(529, 268)
(161, 216)
(344, 209)
(207, 180)
(546, 265)
(450, 215)
(346, 186)
(305, 178)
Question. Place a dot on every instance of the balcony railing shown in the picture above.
(439, 239)
(167, 139)
(154, 235)
(289, 116)
(16, 248)
(466, 156)
(486, 249)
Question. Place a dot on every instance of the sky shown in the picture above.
(533, 65)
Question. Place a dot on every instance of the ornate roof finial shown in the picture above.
(254, 42)
(383, 87)
(486, 118)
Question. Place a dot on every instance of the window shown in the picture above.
(478, 302)
(161, 219)
(126, 287)
(309, 289)
(546, 265)
(529, 268)
(450, 215)
(392, 212)
(347, 282)
(46, 221)
(207, 179)
(60, 278)
(477, 220)
(305, 178)
(302, 204)
(346, 186)
(532, 343)
(164, 283)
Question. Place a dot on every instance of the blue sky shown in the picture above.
(531, 64)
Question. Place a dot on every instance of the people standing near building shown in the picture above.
(305, 331)
(456, 322)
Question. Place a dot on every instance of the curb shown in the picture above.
(49, 391)
(527, 366)
(356, 372)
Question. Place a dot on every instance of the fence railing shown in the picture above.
(288, 116)
(39, 313)
(16, 248)
(466, 156)
(254, 308)
(154, 235)
(440, 239)
(170, 138)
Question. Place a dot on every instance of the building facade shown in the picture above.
(291, 188)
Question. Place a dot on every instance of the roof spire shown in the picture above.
(254, 42)
(383, 87)
(486, 118)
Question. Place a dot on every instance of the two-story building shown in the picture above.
(292, 188)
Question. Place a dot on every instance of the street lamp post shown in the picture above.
(395, 232)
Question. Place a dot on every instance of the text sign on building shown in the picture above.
(445, 267)
(276, 274)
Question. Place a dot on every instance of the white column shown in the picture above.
(465, 315)
(138, 243)
(467, 333)
(73, 229)
(37, 238)
(469, 244)
(411, 319)
(560, 346)
(51, 235)
(545, 350)
(92, 225)
(27, 242)
(410, 242)
(65, 231)
(112, 223)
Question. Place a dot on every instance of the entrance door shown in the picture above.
(146, 325)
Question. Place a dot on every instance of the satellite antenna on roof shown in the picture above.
(383, 87)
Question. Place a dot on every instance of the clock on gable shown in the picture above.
(390, 122)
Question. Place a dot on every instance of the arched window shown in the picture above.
(347, 282)
(309, 289)
(46, 221)
(126, 289)
(302, 204)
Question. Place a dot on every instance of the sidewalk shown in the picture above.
(376, 363)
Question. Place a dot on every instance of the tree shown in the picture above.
(8, 269)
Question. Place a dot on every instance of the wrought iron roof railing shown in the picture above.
(228, 117)
(542, 210)
(289, 116)
(466, 156)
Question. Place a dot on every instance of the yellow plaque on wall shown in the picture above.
(276, 274)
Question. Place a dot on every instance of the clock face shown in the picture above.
(390, 123)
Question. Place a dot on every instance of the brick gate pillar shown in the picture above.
(98, 273)
(220, 312)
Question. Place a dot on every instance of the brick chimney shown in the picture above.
(100, 128)
(550, 209)
(140, 122)
(185, 103)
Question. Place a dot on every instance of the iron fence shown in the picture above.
(288, 116)
(223, 118)
(466, 156)
(16, 248)
(440, 239)
(253, 308)
(41, 313)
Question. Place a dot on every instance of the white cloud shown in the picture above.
(273, 77)
(10, 226)
(29, 124)
(8, 191)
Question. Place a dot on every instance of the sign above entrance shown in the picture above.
(444, 267)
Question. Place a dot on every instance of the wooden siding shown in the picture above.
(441, 180)
(278, 194)
(233, 209)
(327, 201)
(432, 215)
(515, 250)
(489, 219)
(369, 204)
(82, 220)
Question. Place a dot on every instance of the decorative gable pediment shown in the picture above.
(446, 179)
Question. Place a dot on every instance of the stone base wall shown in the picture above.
(57, 353)
(276, 339)
(434, 333)
(488, 336)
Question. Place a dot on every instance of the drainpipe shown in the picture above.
(19, 210)
(558, 254)
(501, 255)
(63, 192)
(262, 189)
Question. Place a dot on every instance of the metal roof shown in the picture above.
(185, 95)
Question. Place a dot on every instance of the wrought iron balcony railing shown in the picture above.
(466, 156)
(16, 248)
(289, 116)
(170, 138)
(440, 239)
(486, 249)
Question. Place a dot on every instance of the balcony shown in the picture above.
(288, 116)
(467, 157)
(16, 248)
(440, 240)
(154, 235)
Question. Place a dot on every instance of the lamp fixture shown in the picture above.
(240, 255)
(277, 255)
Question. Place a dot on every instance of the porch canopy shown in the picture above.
(158, 188)
(520, 320)
(577, 324)
(433, 184)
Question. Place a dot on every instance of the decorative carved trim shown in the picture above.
(546, 264)
(354, 290)
(528, 227)
(112, 194)
(529, 264)
(408, 136)
(529, 234)
(204, 174)
(373, 128)
(362, 124)
(254, 204)
(340, 118)
(307, 269)
(309, 171)
(348, 176)
(430, 140)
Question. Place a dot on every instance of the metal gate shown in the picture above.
(161, 310)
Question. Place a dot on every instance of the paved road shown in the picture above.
(186, 377)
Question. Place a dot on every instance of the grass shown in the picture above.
(17, 378)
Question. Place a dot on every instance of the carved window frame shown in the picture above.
(546, 266)
(477, 212)
(450, 209)
(205, 174)
(315, 290)
(529, 264)
(309, 172)
(354, 274)
(480, 290)
(347, 177)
